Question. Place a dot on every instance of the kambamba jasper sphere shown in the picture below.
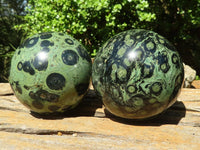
(50, 72)
(138, 74)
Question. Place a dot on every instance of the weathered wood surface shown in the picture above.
(89, 126)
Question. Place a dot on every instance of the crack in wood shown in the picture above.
(39, 132)
(193, 109)
(6, 94)
(32, 131)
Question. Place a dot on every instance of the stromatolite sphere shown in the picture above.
(138, 74)
(50, 72)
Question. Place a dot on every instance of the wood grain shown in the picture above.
(90, 126)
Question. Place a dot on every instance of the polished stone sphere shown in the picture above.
(138, 74)
(50, 72)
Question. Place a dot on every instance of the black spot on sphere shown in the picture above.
(40, 61)
(69, 41)
(19, 52)
(163, 62)
(37, 104)
(26, 87)
(120, 42)
(62, 34)
(139, 36)
(30, 42)
(32, 95)
(20, 66)
(150, 34)
(28, 68)
(46, 43)
(53, 108)
(131, 89)
(55, 81)
(45, 35)
(44, 95)
(121, 79)
(81, 88)
(159, 39)
(18, 87)
(156, 88)
(83, 53)
(149, 45)
(175, 60)
(165, 67)
(147, 70)
(52, 97)
(70, 57)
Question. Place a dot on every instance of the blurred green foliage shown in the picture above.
(93, 22)
(11, 14)
(90, 21)
(197, 78)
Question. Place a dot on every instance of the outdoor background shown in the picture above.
(93, 22)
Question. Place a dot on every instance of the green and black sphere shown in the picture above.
(138, 74)
(50, 72)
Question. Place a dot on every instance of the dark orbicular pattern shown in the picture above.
(69, 41)
(70, 57)
(28, 68)
(43, 95)
(138, 74)
(40, 62)
(83, 53)
(49, 74)
(55, 81)
(46, 43)
(30, 42)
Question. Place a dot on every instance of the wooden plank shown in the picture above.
(5, 89)
(90, 126)
(196, 84)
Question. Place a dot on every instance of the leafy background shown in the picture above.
(93, 22)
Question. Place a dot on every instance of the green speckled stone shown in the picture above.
(50, 72)
(138, 74)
